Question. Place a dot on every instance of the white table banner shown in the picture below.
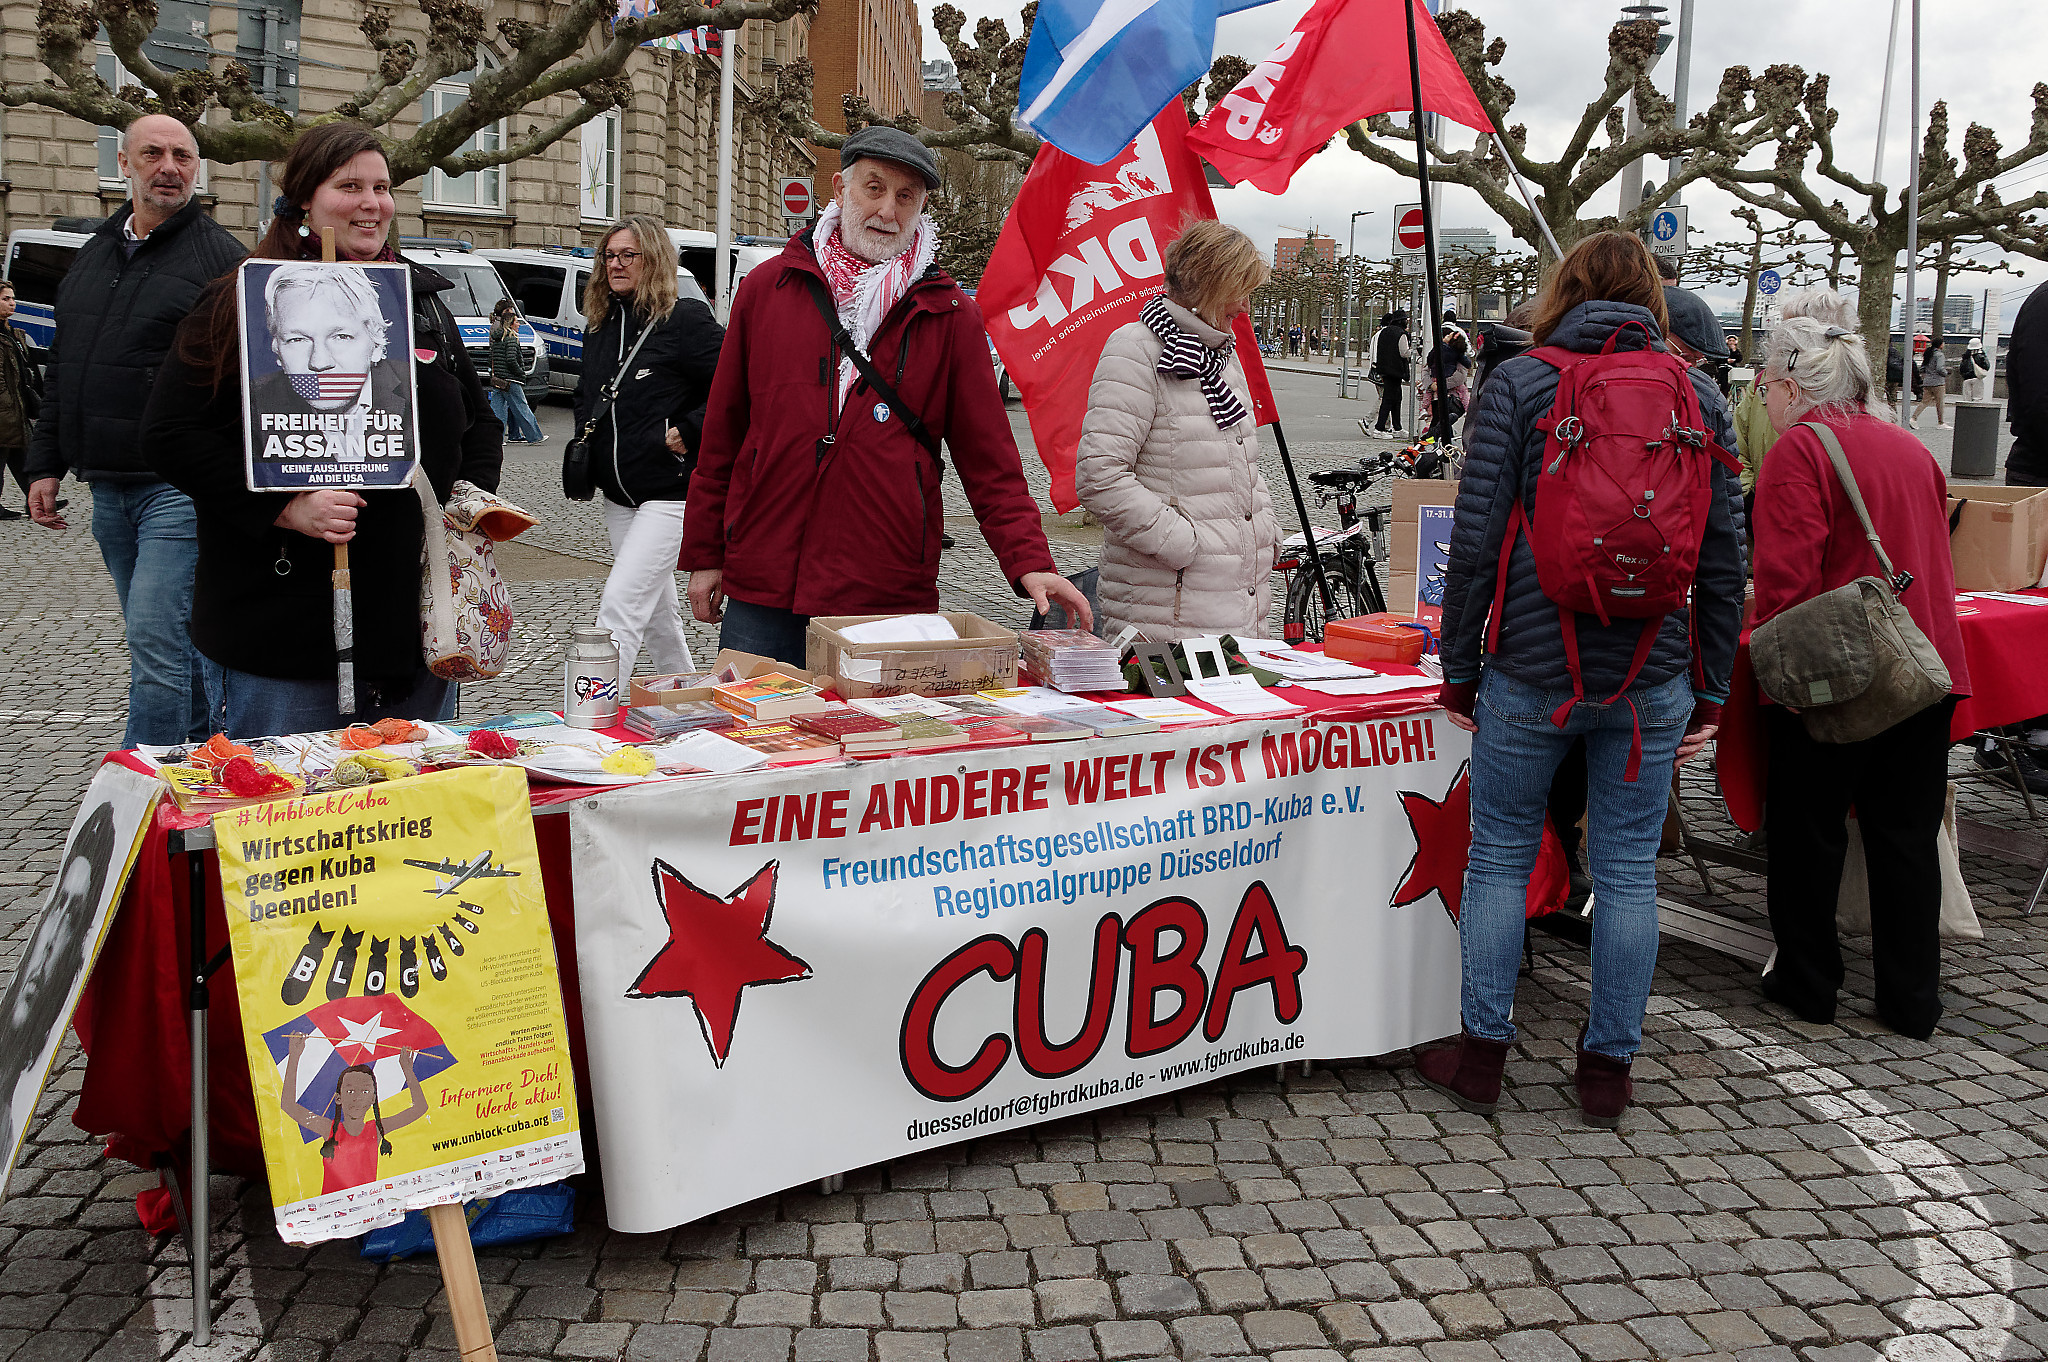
(791, 974)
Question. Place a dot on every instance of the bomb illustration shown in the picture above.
(467, 925)
(298, 982)
(408, 967)
(448, 934)
(344, 971)
(436, 965)
(469, 907)
(374, 976)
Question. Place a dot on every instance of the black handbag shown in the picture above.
(577, 484)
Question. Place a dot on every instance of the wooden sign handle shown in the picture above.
(344, 605)
(458, 1277)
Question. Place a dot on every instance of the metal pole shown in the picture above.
(1681, 86)
(722, 249)
(197, 1003)
(1529, 198)
(1912, 218)
(1884, 107)
(1439, 418)
(1309, 547)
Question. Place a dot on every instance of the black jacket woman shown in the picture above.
(1390, 356)
(262, 600)
(661, 351)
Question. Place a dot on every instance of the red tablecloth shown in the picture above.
(2007, 649)
(133, 1025)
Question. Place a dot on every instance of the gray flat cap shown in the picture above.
(884, 143)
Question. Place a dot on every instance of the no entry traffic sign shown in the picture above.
(797, 199)
(1407, 228)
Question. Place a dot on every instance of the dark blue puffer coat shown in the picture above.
(1505, 450)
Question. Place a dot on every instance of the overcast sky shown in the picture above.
(1982, 57)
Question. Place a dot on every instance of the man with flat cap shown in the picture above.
(848, 359)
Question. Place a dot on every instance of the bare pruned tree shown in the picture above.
(580, 52)
(1780, 247)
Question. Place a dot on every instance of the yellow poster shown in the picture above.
(400, 999)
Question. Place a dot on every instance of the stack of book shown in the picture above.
(684, 716)
(1072, 660)
(784, 744)
(771, 695)
(921, 732)
(856, 733)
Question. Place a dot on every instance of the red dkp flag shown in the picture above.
(1082, 249)
(1346, 60)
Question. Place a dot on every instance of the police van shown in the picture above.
(38, 258)
(548, 282)
(477, 290)
(698, 252)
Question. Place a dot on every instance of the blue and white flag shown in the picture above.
(1097, 71)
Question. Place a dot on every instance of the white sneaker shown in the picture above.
(1941, 425)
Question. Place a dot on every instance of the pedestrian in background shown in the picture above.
(1933, 376)
(656, 353)
(1169, 455)
(1667, 678)
(132, 283)
(262, 603)
(1809, 540)
(1976, 368)
(21, 395)
(508, 378)
(1391, 355)
(1895, 376)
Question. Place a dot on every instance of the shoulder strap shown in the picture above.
(918, 430)
(1840, 461)
(609, 393)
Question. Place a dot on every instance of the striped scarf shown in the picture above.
(1186, 357)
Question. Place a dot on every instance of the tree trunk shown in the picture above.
(1835, 266)
(1756, 265)
(1874, 267)
(1937, 328)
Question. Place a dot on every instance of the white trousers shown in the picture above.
(640, 607)
(1973, 389)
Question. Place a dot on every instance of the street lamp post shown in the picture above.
(1350, 303)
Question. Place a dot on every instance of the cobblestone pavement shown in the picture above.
(1781, 1192)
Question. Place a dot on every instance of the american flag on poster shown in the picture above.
(328, 387)
(706, 41)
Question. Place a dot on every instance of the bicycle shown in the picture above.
(1348, 554)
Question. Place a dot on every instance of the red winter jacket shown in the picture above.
(1809, 541)
(852, 529)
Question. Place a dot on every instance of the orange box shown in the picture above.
(1374, 638)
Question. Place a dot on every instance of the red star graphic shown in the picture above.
(1443, 847)
(716, 947)
(1443, 843)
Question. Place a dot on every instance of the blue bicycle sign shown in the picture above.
(1769, 282)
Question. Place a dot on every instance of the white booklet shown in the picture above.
(1239, 695)
(1373, 685)
(701, 750)
(1163, 711)
(1030, 699)
(902, 706)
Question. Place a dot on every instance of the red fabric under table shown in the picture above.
(2007, 649)
(133, 1025)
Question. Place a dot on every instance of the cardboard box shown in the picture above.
(984, 657)
(743, 664)
(2000, 542)
(1402, 539)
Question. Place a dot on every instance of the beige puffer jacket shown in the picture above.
(1189, 536)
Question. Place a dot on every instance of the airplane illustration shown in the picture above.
(477, 869)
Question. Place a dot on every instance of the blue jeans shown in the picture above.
(509, 406)
(245, 706)
(764, 631)
(1514, 755)
(148, 534)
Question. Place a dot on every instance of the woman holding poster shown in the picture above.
(334, 365)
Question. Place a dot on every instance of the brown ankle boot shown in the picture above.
(1604, 1087)
(1468, 1073)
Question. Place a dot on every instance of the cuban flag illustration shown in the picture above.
(329, 387)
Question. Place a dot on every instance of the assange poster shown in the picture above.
(327, 390)
(106, 834)
(793, 974)
(400, 1000)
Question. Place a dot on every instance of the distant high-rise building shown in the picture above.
(1467, 240)
(940, 75)
(1958, 312)
(1288, 251)
(873, 48)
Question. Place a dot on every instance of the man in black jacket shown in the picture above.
(134, 280)
(21, 395)
(2026, 385)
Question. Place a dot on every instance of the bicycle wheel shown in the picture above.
(1303, 617)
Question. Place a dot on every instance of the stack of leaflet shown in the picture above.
(1072, 660)
(684, 716)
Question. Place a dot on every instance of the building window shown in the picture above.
(109, 69)
(479, 189)
(599, 172)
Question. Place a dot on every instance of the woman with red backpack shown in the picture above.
(1594, 591)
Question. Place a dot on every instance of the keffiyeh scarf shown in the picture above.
(1186, 357)
(865, 292)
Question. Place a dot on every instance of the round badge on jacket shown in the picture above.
(881, 412)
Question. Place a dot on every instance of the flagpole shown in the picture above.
(1310, 548)
(1439, 417)
(721, 275)
(1542, 222)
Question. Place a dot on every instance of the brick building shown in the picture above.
(1288, 251)
(874, 48)
(658, 155)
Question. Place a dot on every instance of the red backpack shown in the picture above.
(1621, 500)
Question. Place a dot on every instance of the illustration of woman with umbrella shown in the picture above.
(347, 1147)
